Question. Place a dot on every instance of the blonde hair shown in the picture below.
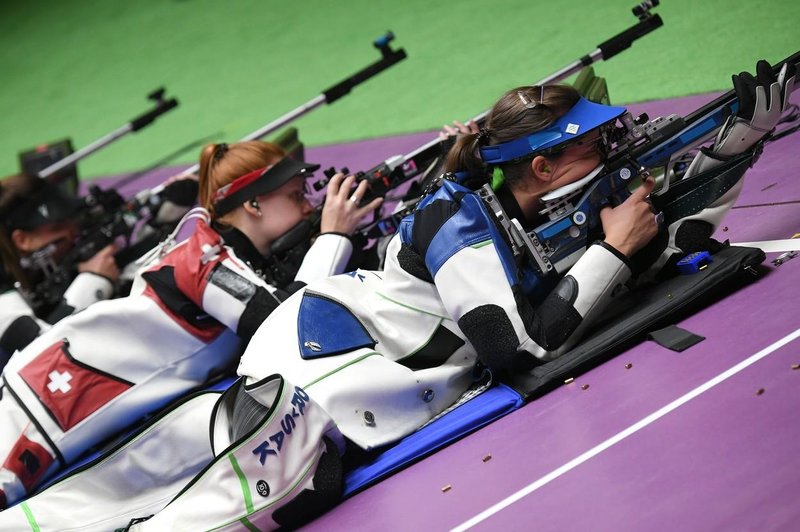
(220, 164)
(520, 111)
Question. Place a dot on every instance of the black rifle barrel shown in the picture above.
(605, 50)
(423, 156)
(390, 58)
(623, 41)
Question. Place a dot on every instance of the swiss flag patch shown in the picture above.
(70, 390)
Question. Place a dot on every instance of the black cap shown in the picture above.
(47, 204)
(258, 182)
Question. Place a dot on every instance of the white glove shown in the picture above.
(762, 100)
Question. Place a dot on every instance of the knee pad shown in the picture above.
(274, 446)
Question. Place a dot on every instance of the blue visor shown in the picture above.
(582, 118)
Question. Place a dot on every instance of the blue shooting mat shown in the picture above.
(467, 417)
(481, 410)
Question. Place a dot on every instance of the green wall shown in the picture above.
(82, 68)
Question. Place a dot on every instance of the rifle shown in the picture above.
(421, 163)
(640, 146)
(56, 276)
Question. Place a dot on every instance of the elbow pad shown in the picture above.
(578, 300)
(88, 288)
(590, 284)
(490, 331)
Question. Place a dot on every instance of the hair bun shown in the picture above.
(220, 150)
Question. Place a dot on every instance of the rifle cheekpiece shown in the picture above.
(287, 251)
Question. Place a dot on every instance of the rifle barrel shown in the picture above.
(83, 152)
(330, 95)
(136, 124)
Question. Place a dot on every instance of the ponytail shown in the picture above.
(221, 163)
(464, 156)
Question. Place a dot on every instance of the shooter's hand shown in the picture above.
(102, 263)
(632, 224)
(763, 97)
(458, 129)
(341, 212)
(762, 100)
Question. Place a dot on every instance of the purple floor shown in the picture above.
(699, 440)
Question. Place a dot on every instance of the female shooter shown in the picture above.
(189, 313)
(39, 223)
(373, 356)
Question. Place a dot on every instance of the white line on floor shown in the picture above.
(575, 462)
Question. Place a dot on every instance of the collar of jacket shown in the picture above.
(245, 250)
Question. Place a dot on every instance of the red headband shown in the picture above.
(239, 183)
(261, 181)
